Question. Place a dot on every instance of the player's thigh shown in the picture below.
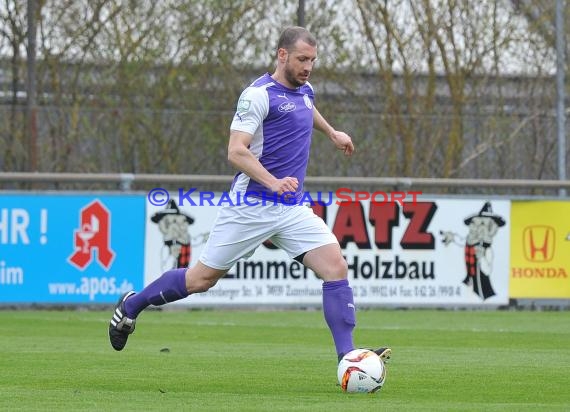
(327, 262)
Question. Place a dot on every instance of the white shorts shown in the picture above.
(240, 229)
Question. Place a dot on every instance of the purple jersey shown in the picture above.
(281, 122)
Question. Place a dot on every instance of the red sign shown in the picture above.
(93, 234)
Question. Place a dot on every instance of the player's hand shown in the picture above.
(287, 184)
(343, 142)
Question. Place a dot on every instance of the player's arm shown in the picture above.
(242, 159)
(341, 140)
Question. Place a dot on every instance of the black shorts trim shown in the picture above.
(300, 257)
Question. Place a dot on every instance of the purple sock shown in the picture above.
(339, 311)
(171, 286)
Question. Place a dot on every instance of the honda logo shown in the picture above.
(538, 243)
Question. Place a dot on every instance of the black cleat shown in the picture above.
(121, 326)
(383, 353)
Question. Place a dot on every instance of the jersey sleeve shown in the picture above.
(252, 109)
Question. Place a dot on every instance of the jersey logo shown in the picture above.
(243, 105)
(287, 107)
(308, 102)
(284, 96)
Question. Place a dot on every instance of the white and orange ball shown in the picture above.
(361, 370)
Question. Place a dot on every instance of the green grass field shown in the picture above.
(283, 361)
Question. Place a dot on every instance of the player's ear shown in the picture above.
(282, 54)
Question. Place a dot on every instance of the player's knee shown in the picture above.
(342, 268)
(198, 282)
(202, 285)
(338, 269)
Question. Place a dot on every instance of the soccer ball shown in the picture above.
(361, 370)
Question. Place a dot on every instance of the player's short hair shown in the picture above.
(292, 34)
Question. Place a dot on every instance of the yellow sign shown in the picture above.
(540, 249)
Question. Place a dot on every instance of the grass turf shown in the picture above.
(283, 361)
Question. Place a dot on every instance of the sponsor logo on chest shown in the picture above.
(287, 107)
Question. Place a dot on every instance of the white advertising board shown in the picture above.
(430, 252)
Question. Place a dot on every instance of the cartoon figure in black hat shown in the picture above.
(478, 252)
(174, 226)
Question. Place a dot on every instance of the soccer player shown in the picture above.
(269, 143)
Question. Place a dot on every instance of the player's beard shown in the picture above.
(291, 77)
